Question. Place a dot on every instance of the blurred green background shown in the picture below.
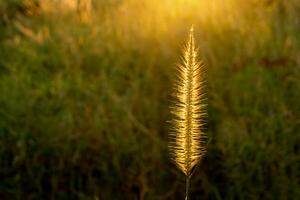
(85, 95)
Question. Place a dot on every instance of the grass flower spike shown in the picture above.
(187, 137)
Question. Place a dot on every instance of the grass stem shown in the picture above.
(187, 188)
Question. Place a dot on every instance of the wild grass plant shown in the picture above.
(83, 111)
(187, 143)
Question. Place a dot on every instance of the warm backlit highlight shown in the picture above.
(187, 138)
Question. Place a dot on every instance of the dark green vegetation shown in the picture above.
(84, 105)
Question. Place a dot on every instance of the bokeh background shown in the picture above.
(85, 94)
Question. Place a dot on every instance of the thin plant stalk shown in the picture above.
(187, 138)
(187, 188)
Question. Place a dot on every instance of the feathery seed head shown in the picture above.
(187, 137)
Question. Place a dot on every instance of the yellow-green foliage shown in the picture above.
(83, 106)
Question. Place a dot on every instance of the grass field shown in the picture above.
(84, 103)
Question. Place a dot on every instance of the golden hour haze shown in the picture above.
(149, 99)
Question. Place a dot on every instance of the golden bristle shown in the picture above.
(187, 138)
